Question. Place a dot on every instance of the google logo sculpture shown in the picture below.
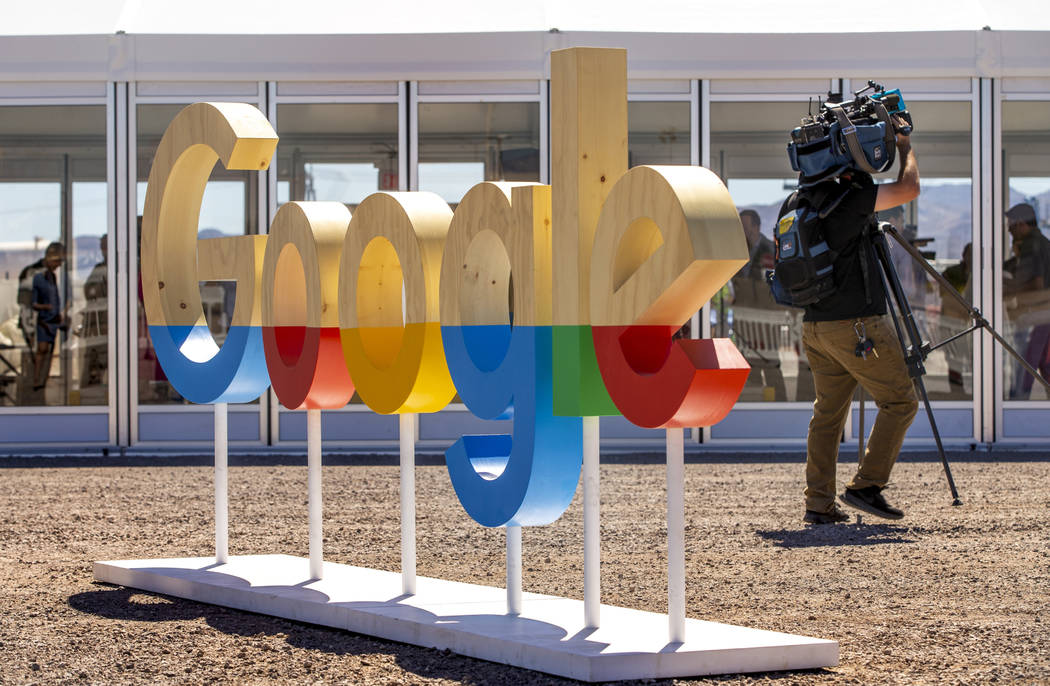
(406, 302)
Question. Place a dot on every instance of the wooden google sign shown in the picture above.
(539, 303)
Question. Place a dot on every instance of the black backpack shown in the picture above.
(805, 265)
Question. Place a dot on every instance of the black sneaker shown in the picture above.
(871, 501)
(834, 517)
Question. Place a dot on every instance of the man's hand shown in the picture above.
(903, 140)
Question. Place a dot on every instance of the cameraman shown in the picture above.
(835, 330)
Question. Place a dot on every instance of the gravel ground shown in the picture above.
(948, 595)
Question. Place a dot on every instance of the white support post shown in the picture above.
(313, 467)
(675, 536)
(408, 502)
(513, 569)
(592, 595)
(222, 509)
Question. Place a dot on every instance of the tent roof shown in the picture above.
(307, 17)
(192, 40)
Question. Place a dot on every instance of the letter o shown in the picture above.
(299, 306)
(396, 359)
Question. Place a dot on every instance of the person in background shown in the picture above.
(47, 303)
(1026, 286)
(94, 325)
(752, 330)
(761, 249)
(958, 275)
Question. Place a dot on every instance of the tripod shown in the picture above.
(915, 349)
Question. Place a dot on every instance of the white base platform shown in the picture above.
(471, 620)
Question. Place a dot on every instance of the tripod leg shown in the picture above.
(900, 312)
(937, 437)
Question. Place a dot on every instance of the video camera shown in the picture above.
(858, 133)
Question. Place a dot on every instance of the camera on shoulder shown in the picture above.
(858, 133)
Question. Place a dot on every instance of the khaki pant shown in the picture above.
(836, 369)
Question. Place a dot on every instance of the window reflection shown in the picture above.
(659, 133)
(939, 224)
(336, 152)
(227, 209)
(1026, 268)
(748, 151)
(54, 337)
(462, 144)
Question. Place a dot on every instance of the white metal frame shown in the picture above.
(119, 220)
(73, 94)
(1000, 406)
(990, 170)
(114, 87)
(185, 97)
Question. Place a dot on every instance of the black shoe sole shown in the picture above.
(854, 501)
(824, 519)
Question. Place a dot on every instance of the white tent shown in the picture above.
(113, 40)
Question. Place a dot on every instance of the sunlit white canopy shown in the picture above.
(414, 39)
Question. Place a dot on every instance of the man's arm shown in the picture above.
(906, 187)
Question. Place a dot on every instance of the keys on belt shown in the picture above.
(865, 346)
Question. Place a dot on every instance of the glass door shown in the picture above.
(54, 273)
(1024, 279)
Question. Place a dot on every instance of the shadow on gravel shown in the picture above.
(128, 604)
(125, 604)
(839, 534)
(429, 457)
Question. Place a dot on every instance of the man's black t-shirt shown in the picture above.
(844, 229)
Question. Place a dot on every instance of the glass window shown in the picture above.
(54, 333)
(748, 150)
(658, 133)
(940, 225)
(462, 144)
(336, 152)
(1026, 270)
(228, 209)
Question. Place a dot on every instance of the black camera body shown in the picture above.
(858, 133)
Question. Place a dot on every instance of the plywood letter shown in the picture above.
(668, 238)
(173, 264)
